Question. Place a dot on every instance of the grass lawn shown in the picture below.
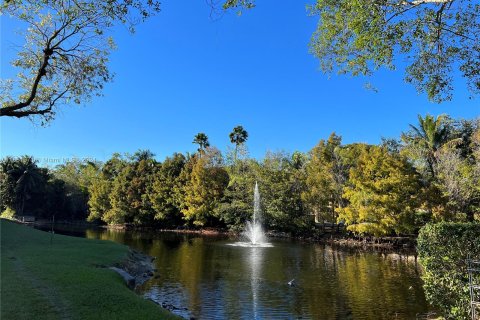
(62, 280)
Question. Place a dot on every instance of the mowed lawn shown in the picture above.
(64, 279)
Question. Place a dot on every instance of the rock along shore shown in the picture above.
(135, 269)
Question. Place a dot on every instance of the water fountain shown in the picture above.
(253, 230)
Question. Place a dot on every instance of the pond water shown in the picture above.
(208, 278)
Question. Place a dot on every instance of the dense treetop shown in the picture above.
(431, 174)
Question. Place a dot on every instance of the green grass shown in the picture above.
(63, 280)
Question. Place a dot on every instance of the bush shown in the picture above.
(443, 249)
(8, 213)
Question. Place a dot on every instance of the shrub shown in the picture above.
(443, 249)
(8, 213)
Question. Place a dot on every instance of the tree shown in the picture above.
(77, 177)
(238, 136)
(457, 171)
(7, 184)
(23, 185)
(326, 176)
(29, 180)
(424, 142)
(114, 166)
(162, 193)
(100, 191)
(382, 194)
(129, 198)
(458, 183)
(281, 182)
(99, 198)
(238, 3)
(236, 207)
(65, 55)
(437, 37)
(205, 188)
(443, 250)
(476, 154)
(143, 155)
(202, 140)
(56, 199)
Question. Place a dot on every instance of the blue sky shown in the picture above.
(182, 73)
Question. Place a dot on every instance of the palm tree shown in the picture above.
(202, 140)
(430, 136)
(7, 183)
(238, 136)
(143, 155)
(26, 175)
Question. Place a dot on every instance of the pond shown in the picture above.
(206, 277)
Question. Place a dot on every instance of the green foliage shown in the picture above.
(437, 38)
(360, 37)
(162, 193)
(24, 186)
(202, 140)
(77, 177)
(382, 193)
(129, 199)
(65, 54)
(99, 200)
(425, 141)
(443, 151)
(236, 207)
(326, 175)
(374, 190)
(238, 135)
(205, 188)
(458, 183)
(281, 183)
(238, 4)
(8, 213)
(443, 249)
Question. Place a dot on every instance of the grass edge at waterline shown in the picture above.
(65, 278)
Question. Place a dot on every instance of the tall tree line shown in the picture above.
(431, 173)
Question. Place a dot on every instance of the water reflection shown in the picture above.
(206, 278)
(255, 264)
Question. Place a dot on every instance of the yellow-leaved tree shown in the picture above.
(383, 194)
(205, 187)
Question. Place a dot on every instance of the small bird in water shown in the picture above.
(291, 282)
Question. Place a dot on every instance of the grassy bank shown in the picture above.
(64, 280)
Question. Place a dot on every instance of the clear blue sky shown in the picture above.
(182, 73)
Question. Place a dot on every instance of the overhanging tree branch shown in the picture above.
(71, 64)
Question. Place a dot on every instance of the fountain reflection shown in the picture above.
(255, 262)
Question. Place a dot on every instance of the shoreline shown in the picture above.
(337, 239)
(136, 269)
(62, 277)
